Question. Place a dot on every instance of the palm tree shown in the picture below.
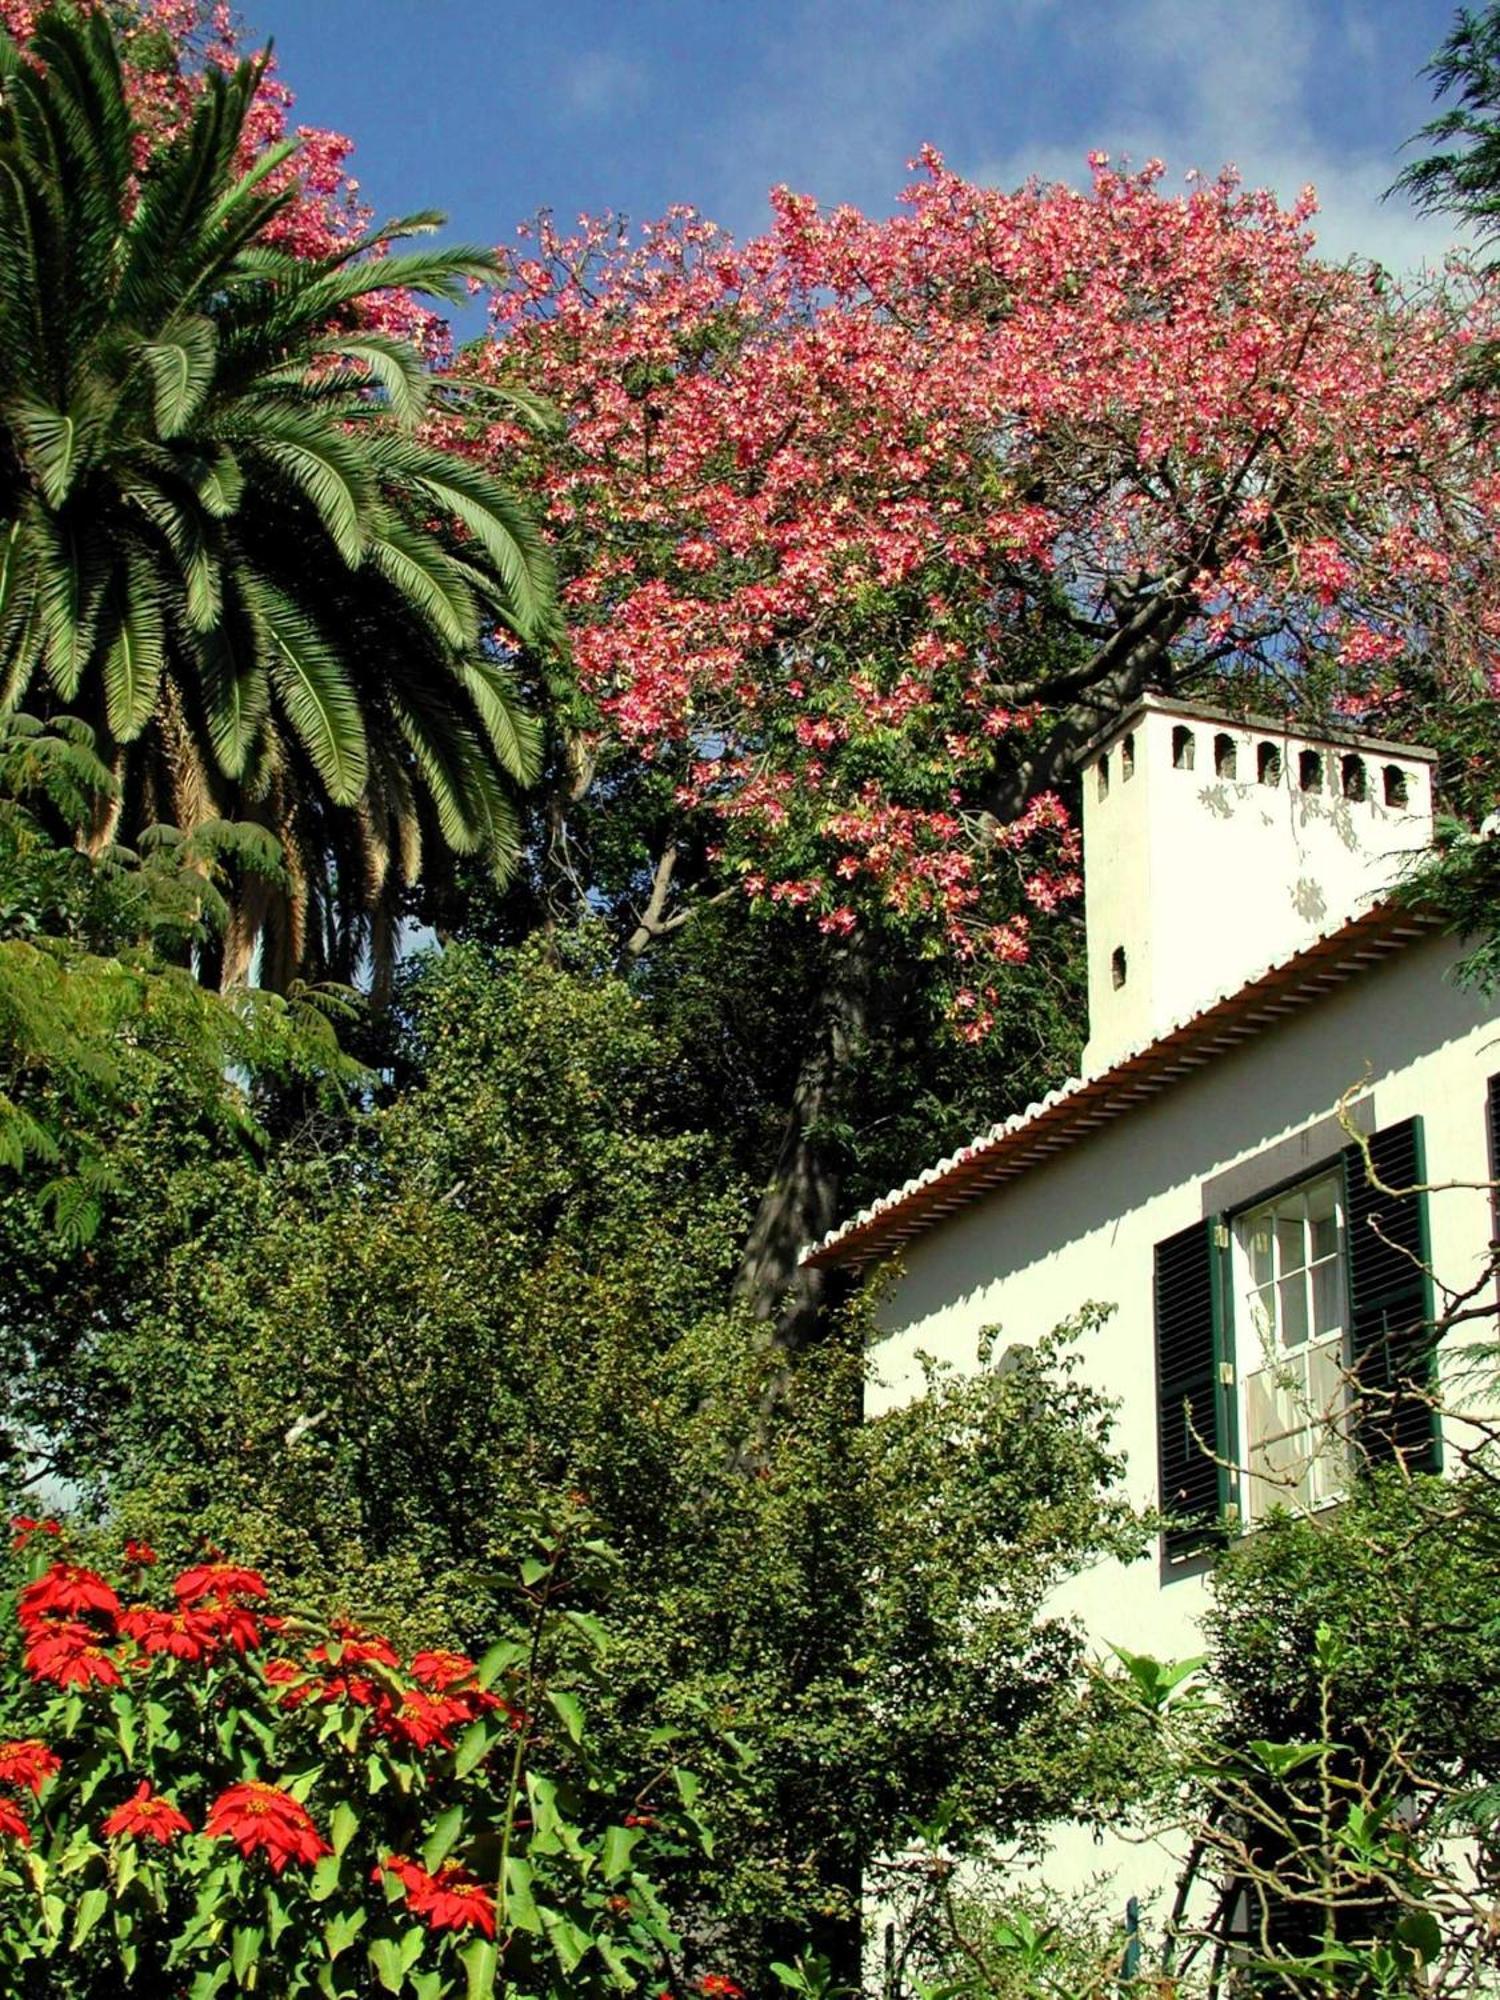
(224, 542)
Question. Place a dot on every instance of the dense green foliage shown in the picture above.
(359, 1365)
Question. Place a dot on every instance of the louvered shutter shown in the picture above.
(1390, 1300)
(1189, 1442)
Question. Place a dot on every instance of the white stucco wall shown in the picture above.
(1201, 881)
(1083, 1226)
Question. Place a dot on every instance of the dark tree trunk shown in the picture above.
(801, 1201)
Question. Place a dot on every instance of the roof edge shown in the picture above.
(1201, 711)
(1082, 1104)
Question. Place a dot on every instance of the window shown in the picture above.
(1310, 771)
(1127, 760)
(1294, 1343)
(1182, 748)
(1104, 776)
(1117, 969)
(1354, 779)
(1395, 786)
(1291, 1328)
(1268, 764)
(1224, 757)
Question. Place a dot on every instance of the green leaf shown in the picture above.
(521, 1911)
(569, 1711)
(182, 370)
(508, 1653)
(341, 1931)
(244, 1953)
(473, 1747)
(1281, 1759)
(620, 1843)
(481, 1961)
(1155, 1680)
(92, 1905)
(325, 1877)
(570, 1944)
(1422, 1935)
(440, 1841)
(314, 686)
(342, 1826)
(586, 1623)
(395, 364)
(133, 662)
(219, 482)
(50, 439)
(386, 1959)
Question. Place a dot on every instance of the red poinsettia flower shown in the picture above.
(410, 1874)
(719, 1986)
(224, 1582)
(24, 1526)
(140, 1553)
(28, 1764)
(255, 1815)
(67, 1651)
(354, 1646)
(423, 1720)
(12, 1825)
(181, 1634)
(67, 1591)
(450, 1900)
(442, 1670)
(146, 1816)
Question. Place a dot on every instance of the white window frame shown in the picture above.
(1304, 1383)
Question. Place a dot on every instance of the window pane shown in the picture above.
(1289, 1250)
(1263, 1316)
(1325, 1234)
(1328, 1298)
(1261, 1271)
(1327, 1386)
(1292, 1310)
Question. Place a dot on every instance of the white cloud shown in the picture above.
(1194, 87)
(843, 95)
(602, 82)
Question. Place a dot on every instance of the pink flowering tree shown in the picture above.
(200, 1794)
(867, 524)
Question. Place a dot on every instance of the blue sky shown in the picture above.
(489, 109)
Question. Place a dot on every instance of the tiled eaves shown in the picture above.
(1082, 1105)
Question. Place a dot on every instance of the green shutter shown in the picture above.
(1390, 1300)
(1190, 1404)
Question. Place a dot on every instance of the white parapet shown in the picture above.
(1215, 845)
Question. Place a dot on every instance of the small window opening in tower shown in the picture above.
(1268, 764)
(1310, 771)
(1395, 785)
(1353, 775)
(1182, 748)
(1117, 966)
(1127, 760)
(1224, 757)
(1104, 776)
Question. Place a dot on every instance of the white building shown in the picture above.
(1254, 1004)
